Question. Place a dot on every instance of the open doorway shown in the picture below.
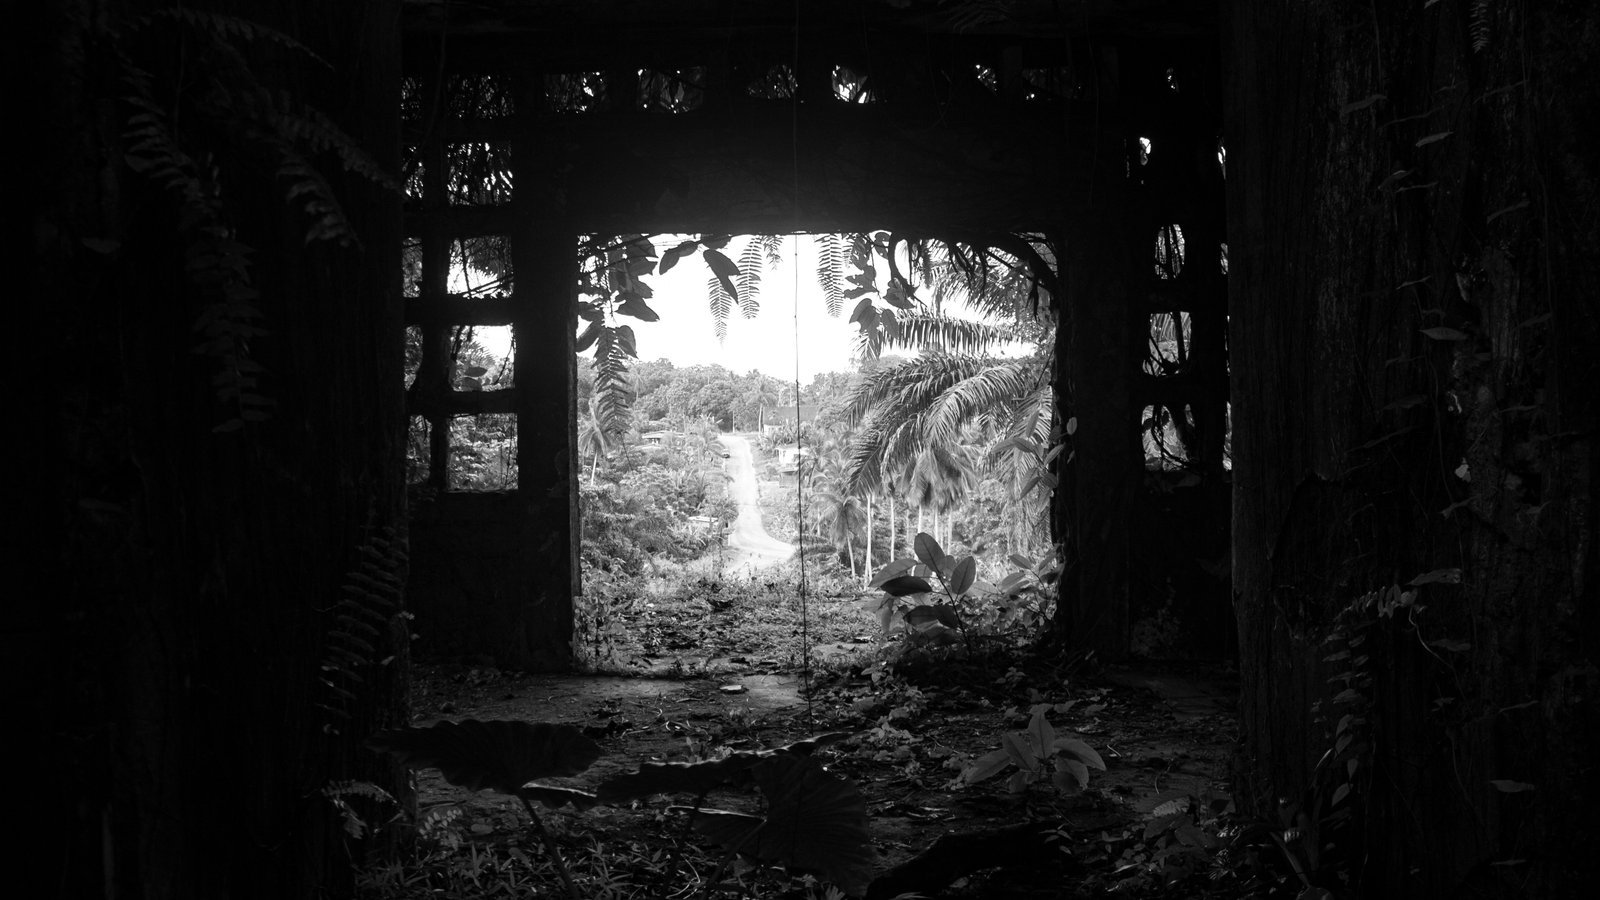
(748, 473)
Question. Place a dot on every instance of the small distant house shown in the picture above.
(781, 418)
(789, 465)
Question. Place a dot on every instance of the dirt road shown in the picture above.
(751, 545)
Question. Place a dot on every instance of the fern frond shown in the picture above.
(830, 272)
(721, 306)
(315, 197)
(772, 246)
(371, 604)
(314, 129)
(751, 262)
(612, 397)
(230, 28)
(1480, 25)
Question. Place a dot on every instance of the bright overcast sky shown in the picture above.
(685, 334)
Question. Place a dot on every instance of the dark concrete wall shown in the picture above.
(1395, 168)
(475, 585)
(188, 582)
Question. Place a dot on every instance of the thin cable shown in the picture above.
(799, 451)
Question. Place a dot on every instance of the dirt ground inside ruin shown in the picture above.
(1165, 732)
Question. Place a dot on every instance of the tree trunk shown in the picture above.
(1414, 260)
(892, 535)
(866, 568)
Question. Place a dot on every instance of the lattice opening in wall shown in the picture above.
(1170, 341)
(483, 452)
(478, 173)
(575, 92)
(418, 433)
(1165, 432)
(1048, 84)
(852, 86)
(1169, 251)
(672, 90)
(777, 83)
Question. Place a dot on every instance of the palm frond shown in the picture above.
(918, 329)
(1001, 385)
(910, 384)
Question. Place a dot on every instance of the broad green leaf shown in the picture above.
(1065, 781)
(1016, 747)
(897, 295)
(475, 372)
(676, 778)
(1442, 333)
(1081, 751)
(1510, 787)
(1018, 782)
(1077, 770)
(671, 257)
(942, 613)
(985, 767)
(883, 609)
(928, 550)
(724, 268)
(962, 577)
(815, 821)
(894, 569)
(1021, 562)
(498, 755)
(722, 826)
(1171, 804)
(905, 585)
(638, 309)
(1041, 733)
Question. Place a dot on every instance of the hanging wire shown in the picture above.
(799, 455)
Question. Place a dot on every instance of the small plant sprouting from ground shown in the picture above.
(1038, 755)
(940, 600)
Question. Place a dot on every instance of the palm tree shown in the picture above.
(917, 416)
(766, 396)
(592, 439)
(842, 516)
